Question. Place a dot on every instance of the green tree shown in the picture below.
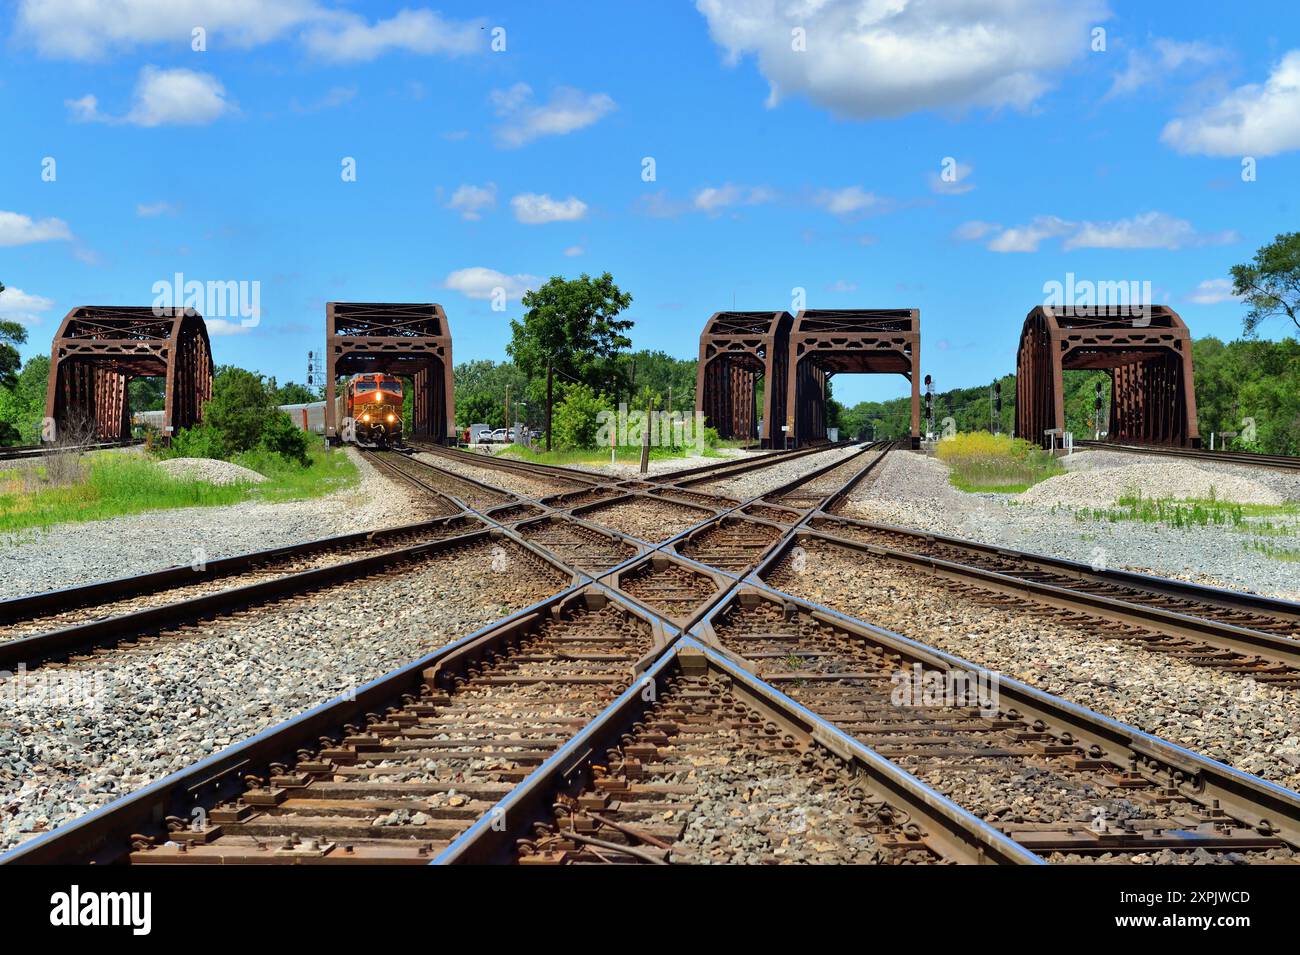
(481, 391)
(22, 407)
(292, 393)
(12, 335)
(1270, 284)
(146, 394)
(575, 422)
(571, 326)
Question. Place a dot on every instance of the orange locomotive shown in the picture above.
(370, 409)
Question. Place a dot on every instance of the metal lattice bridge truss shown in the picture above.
(98, 349)
(408, 340)
(1148, 353)
(794, 357)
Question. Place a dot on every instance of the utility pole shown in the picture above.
(549, 380)
(997, 407)
(507, 424)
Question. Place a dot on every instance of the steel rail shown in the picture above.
(1271, 809)
(953, 831)
(82, 637)
(41, 451)
(1156, 588)
(1280, 461)
(1238, 640)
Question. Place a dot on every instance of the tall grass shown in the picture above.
(981, 461)
(113, 484)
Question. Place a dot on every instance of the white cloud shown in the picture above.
(1165, 56)
(470, 200)
(955, 187)
(848, 201)
(842, 285)
(19, 306)
(163, 98)
(1026, 238)
(1212, 292)
(1149, 230)
(522, 120)
(151, 210)
(86, 30)
(974, 230)
(536, 209)
(482, 283)
(223, 326)
(17, 229)
(1253, 120)
(715, 198)
(574, 251)
(874, 58)
(347, 37)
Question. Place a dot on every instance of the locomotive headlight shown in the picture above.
(365, 417)
(392, 418)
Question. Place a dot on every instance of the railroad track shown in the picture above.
(1264, 615)
(34, 453)
(105, 630)
(539, 480)
(1281, 461)
(456, 491)
(587, 729)
(38, 613)
(1082, 786)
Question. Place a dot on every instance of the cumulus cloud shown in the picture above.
(1212, 292)
(163, 98)
(18, 229)
(714, 199)
(1253, 120)
(1147, 65)
(1147, 230)
(482, 283)
(523, 120)
(872, 59)
(223, 326)
(851, 200)
(574, 251)
(470, 200)
(347, 37)
(81, 30)
(19, 306)
(533, 208)
(842, 285)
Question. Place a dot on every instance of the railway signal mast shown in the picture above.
(929, 408)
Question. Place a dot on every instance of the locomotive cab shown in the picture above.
(374, 405)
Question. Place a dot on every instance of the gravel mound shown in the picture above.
(1099, 487)
(211, 470)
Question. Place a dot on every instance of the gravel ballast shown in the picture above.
(912, 490)
(1227, 717)
(161, 706)
(72, 554)
(764, 480)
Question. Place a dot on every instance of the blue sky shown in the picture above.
(775, 168)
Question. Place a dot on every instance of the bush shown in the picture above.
(285, 438)
(573, 421)
(241, 409)
(987, 462)
(201, 441)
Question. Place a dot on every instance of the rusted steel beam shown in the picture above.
(1148, 355)
(409, 340)
(825, 342)
(98, 349)
(737, 349)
